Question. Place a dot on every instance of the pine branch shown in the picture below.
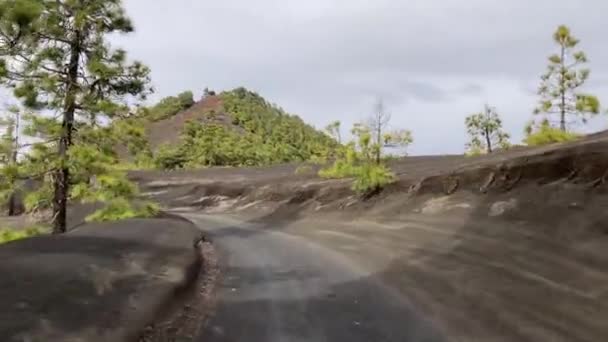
(42, 66)
(52, 38)
(38, 143)
(36, 175)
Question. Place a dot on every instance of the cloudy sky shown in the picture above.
(433, 62)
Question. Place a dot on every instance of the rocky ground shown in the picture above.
(509, 247)
(100, 282)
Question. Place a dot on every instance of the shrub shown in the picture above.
(121, 209)
(371, 178)
(340, 169)
(474, 151)
(169, 158)
(368, 178)
(8, 235)
(549, 135)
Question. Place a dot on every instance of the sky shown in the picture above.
(432, 62)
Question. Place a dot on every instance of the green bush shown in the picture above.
(169, 158)
(475, 151)
(8, 235)
(549, 135)
(370, 178)
(121, 209)
(340, 169)
(346, 164)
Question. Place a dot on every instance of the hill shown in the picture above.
(232, 128)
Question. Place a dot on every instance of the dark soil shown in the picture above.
(101, 282)
(188, 314)
(507, 247)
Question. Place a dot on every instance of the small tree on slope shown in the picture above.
(377, 125)
(559, 90)
(56, 57)
(485, 131)
(401, 138)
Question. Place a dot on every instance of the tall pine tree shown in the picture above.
(9, 149)
(9, 138)
(56, 57)
(559, 90)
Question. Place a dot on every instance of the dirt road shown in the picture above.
(279, 287)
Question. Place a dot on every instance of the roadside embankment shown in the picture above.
(100, 282)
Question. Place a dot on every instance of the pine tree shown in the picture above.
(559, 94)
(9, 149)
(56, 57)
(485, 130)
(334, 131)
(401, 138)
(9, 140)
(378, 124)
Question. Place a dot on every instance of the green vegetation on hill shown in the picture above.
(258, 133)
(168, 107)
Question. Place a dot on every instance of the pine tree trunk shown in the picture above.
(12, 200)
(488, 141)
(563, 91)
(12, 205)
(62, 176)
(379, 142)
(562, 123)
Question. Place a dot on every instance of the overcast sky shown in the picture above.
(432, 61)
